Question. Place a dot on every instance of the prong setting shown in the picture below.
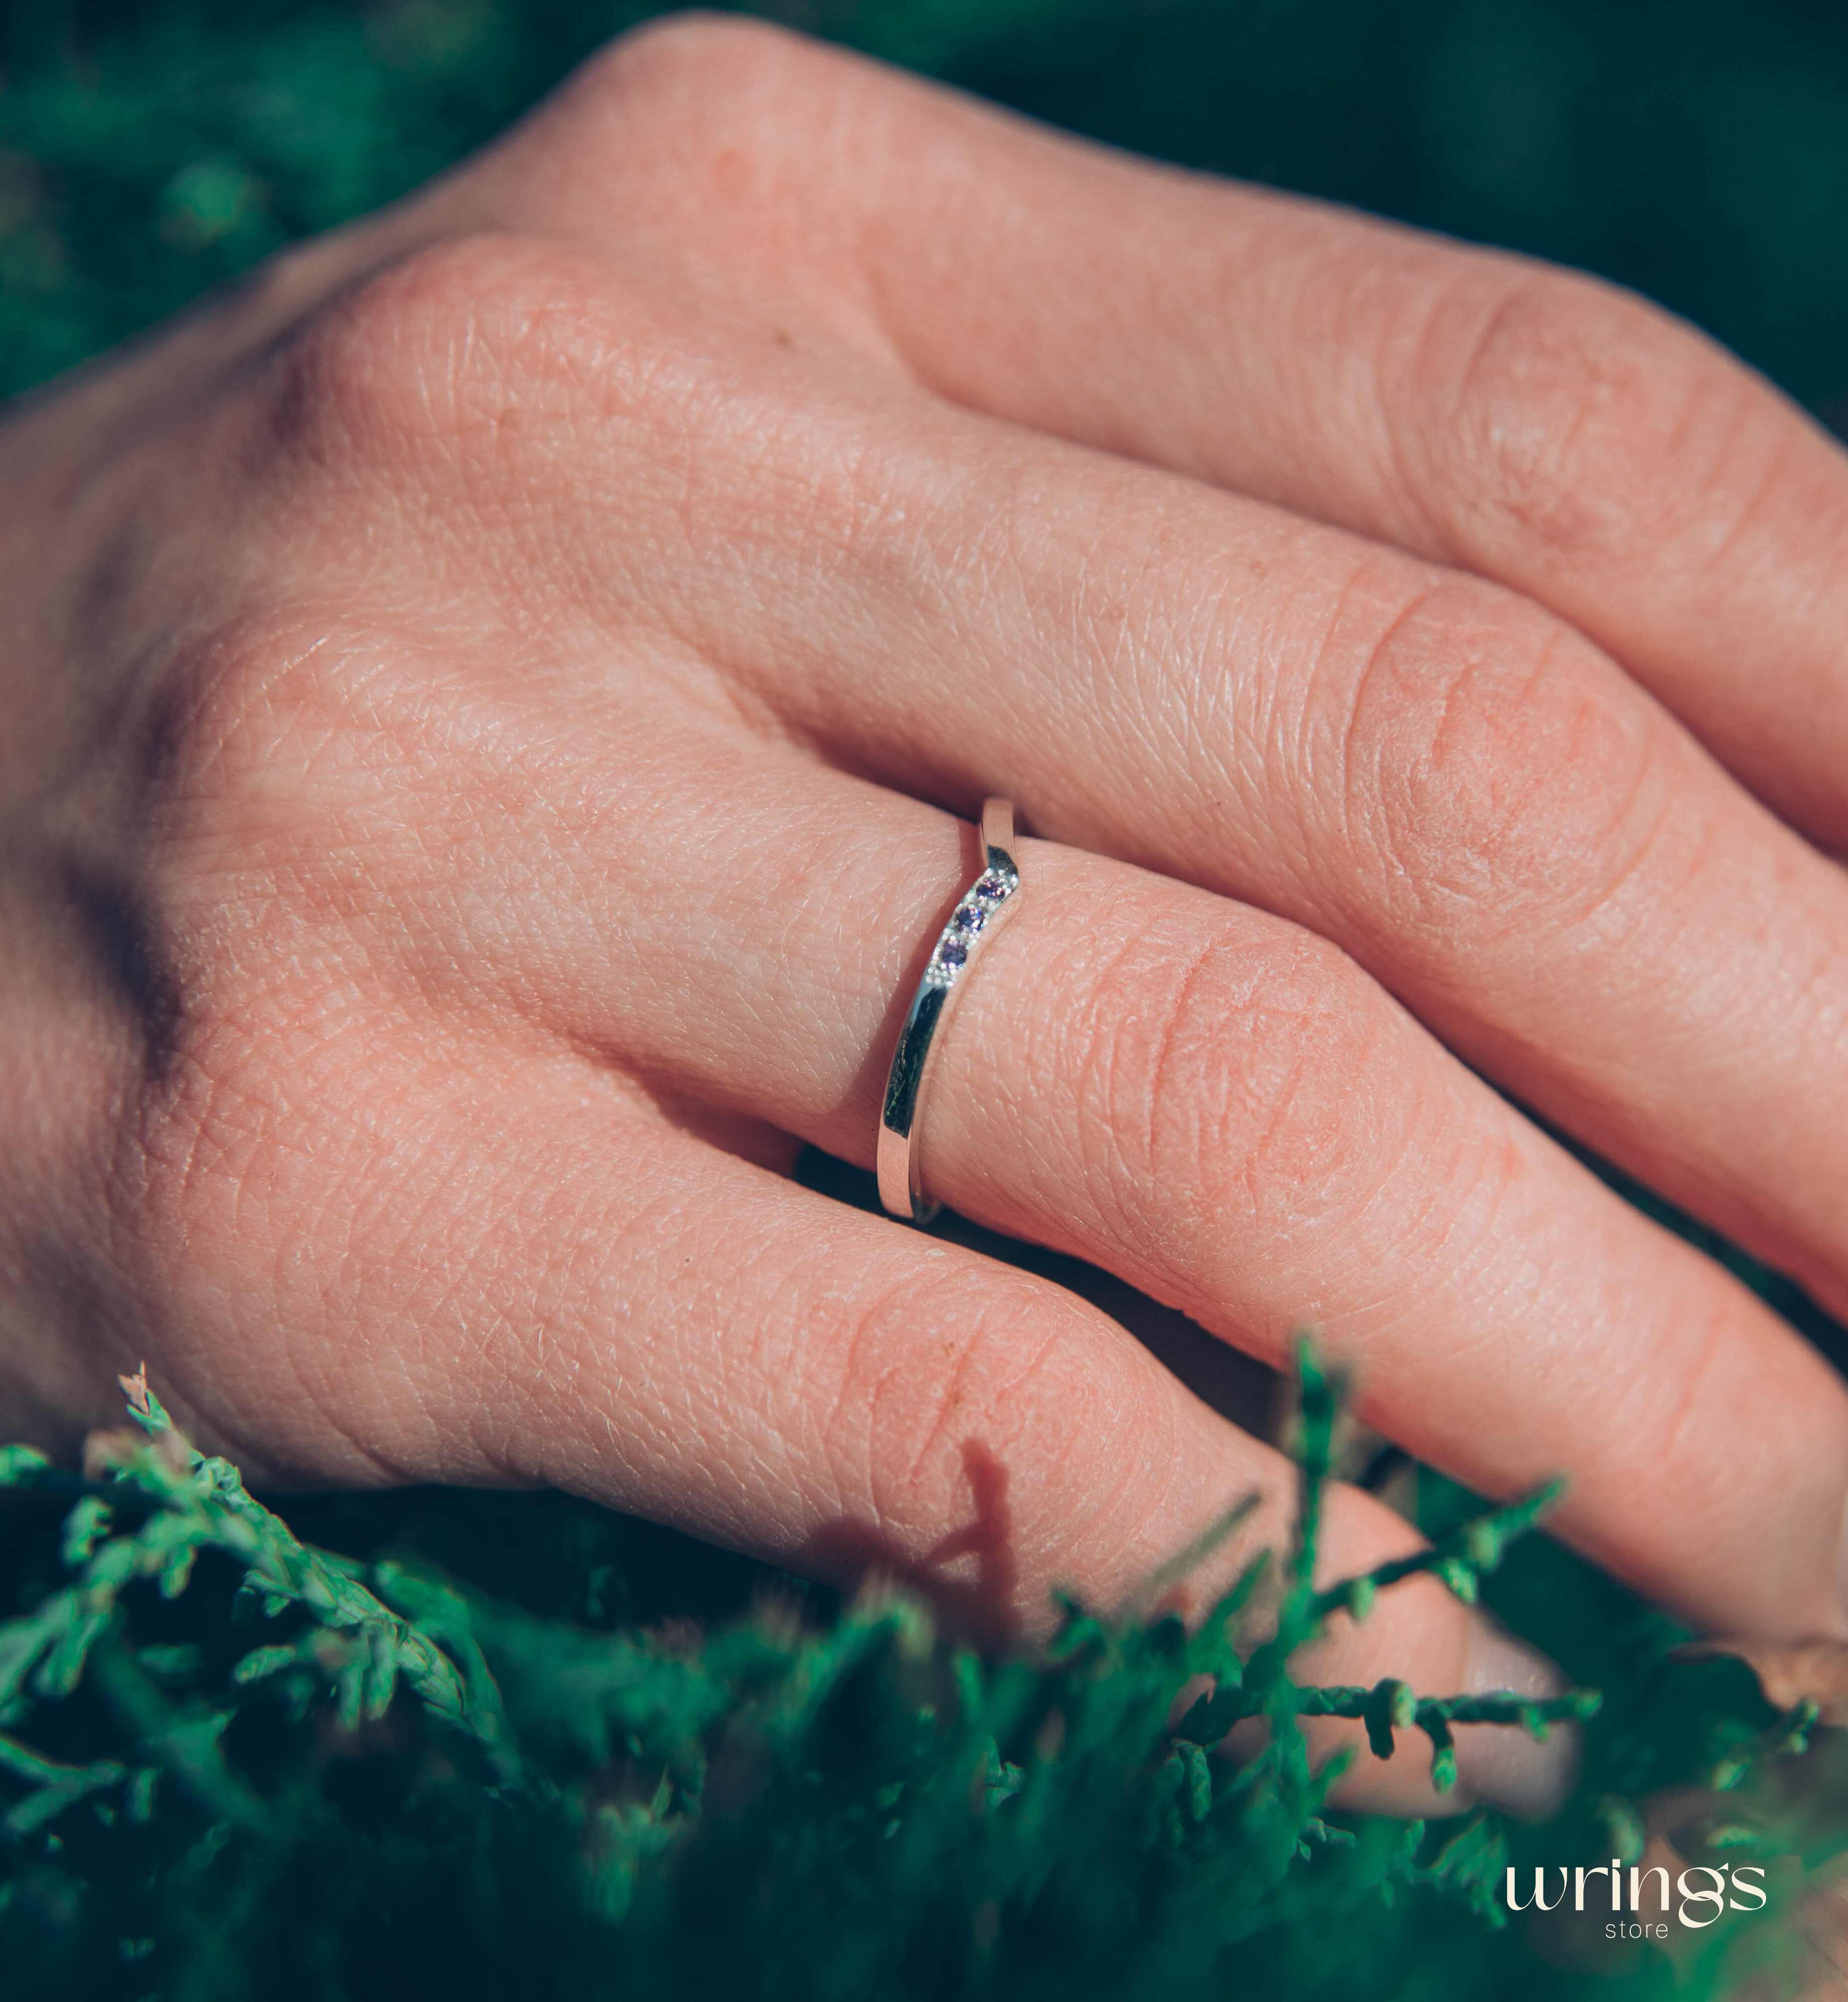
(977, 911)
(979, 902)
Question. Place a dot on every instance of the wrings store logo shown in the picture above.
(1696, 1897)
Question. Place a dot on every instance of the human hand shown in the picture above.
(488, 708)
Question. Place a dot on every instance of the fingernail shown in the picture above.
(1501, 1763)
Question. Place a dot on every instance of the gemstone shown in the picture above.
(953, 952)
(968, 918)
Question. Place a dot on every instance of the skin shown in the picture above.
(493, 710)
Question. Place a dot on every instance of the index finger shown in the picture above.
(1554, 435)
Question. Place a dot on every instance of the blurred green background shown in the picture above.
(1695, 149)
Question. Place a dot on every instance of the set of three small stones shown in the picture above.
(989, 891)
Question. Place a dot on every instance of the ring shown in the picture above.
(979, 912)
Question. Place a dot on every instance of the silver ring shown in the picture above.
(979, 914)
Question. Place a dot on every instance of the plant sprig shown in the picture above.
(649, 1754)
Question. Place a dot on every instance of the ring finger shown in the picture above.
(1216, 1104)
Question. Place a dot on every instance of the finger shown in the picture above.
(1524, 424)
(1464, 794)
(1470, 800)
(863, 618)
(1211, 1102)
(594, 1298)
(1460, 792)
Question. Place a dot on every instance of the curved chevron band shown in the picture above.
(979, 911)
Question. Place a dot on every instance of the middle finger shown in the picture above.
(1459, 790)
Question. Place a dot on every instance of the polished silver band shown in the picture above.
(978, 913)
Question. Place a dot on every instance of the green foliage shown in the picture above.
(493, 1755)
(239, 1764)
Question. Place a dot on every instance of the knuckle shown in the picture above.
(457, 345)
(732, 131)
(737, 138)
(696, 52)
(1220, 1069)
(1492, 774)
(1572, 411)
(937, 1439)
(913, 1391)
(713, 101)
(217, 718)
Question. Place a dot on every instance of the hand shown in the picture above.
(488, 710)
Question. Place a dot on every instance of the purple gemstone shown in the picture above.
(953, 952)
(968, 917)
